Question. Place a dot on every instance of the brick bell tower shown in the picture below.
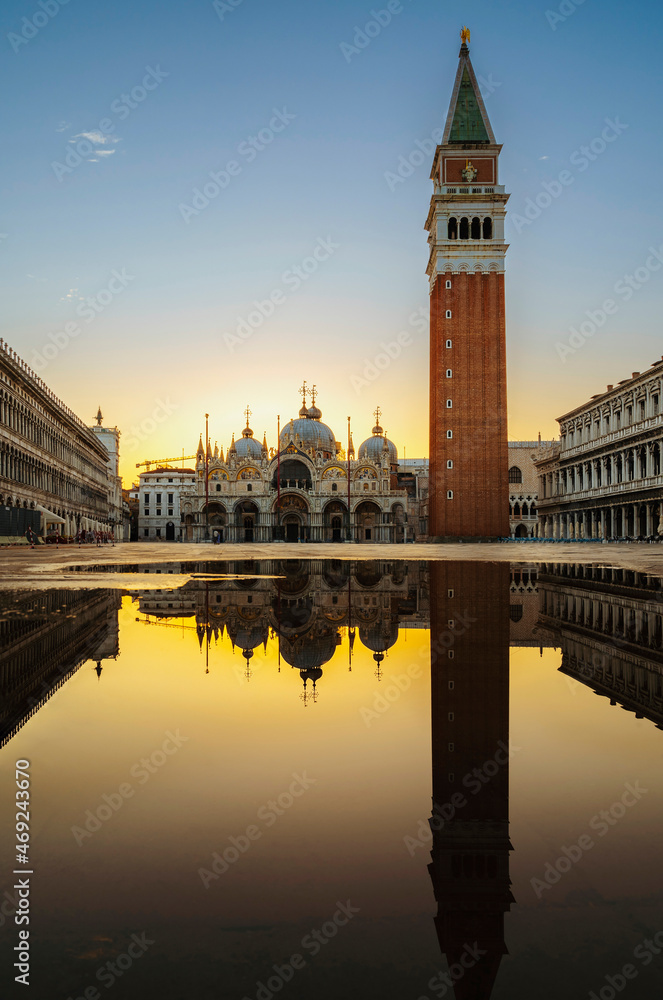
(469, 493)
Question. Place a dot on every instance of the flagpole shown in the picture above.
(349, 523)
(206, 476)
(278, 486)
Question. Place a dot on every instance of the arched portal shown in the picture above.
(246, 518)
(367, 521)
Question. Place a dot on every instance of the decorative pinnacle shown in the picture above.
(304, 391)
(377, 413)
(247, 414)
(465, 34)
(314, 393)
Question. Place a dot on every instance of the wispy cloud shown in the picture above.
(96, 137)
(63, 126)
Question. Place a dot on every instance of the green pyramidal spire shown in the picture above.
(467, 121)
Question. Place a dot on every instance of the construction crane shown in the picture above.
(164, 461)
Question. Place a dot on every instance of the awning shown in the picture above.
(49, 516)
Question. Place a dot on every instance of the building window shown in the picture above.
(451, 622)
(465, 228)
(334, 488)
(146, 532)
(158, 498)
(654, 404)
(515, 474)
(450, 654)
(448, 314)
(146, 498)
(450, 374)
(450, 494)
(451, 685)
(170, 480)
(170, 497)
(487, 229)
(450, 434)
(476, 228)
(450, 593)
(452, 230)
(158, 511)
(147, 512)
(448, 344)
(449, 404)
(448, 284)
(450, 464)
(218, 487)
(170, 512)
(249, 488)
(158, 532)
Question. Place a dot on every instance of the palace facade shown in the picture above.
(603, 478)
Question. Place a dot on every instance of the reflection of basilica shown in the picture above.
(298, 491)
(45, 636)
(306, 606)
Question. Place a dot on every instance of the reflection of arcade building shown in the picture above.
(300, 492)
(609, 624)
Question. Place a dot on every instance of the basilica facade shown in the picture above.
(309, 488)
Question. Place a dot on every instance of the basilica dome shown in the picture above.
(247, 446)
(309, 433)
(372, 448)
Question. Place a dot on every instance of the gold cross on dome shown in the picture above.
(247, 414)
(303, 392)
(377, 413)
(314, 393)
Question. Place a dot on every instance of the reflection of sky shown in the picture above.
(548, 93)
(342, 840)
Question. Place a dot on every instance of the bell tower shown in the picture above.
(468, 494)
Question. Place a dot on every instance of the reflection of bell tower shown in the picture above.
(470, 734)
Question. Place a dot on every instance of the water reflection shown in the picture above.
(320, 617)
(45, 637)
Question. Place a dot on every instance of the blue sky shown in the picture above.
(164, 330)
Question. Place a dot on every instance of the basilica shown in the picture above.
(309, 488)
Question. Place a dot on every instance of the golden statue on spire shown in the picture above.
(465, 34)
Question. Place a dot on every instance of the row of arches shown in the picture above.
(470, 229)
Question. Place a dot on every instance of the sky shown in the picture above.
(202, 206)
